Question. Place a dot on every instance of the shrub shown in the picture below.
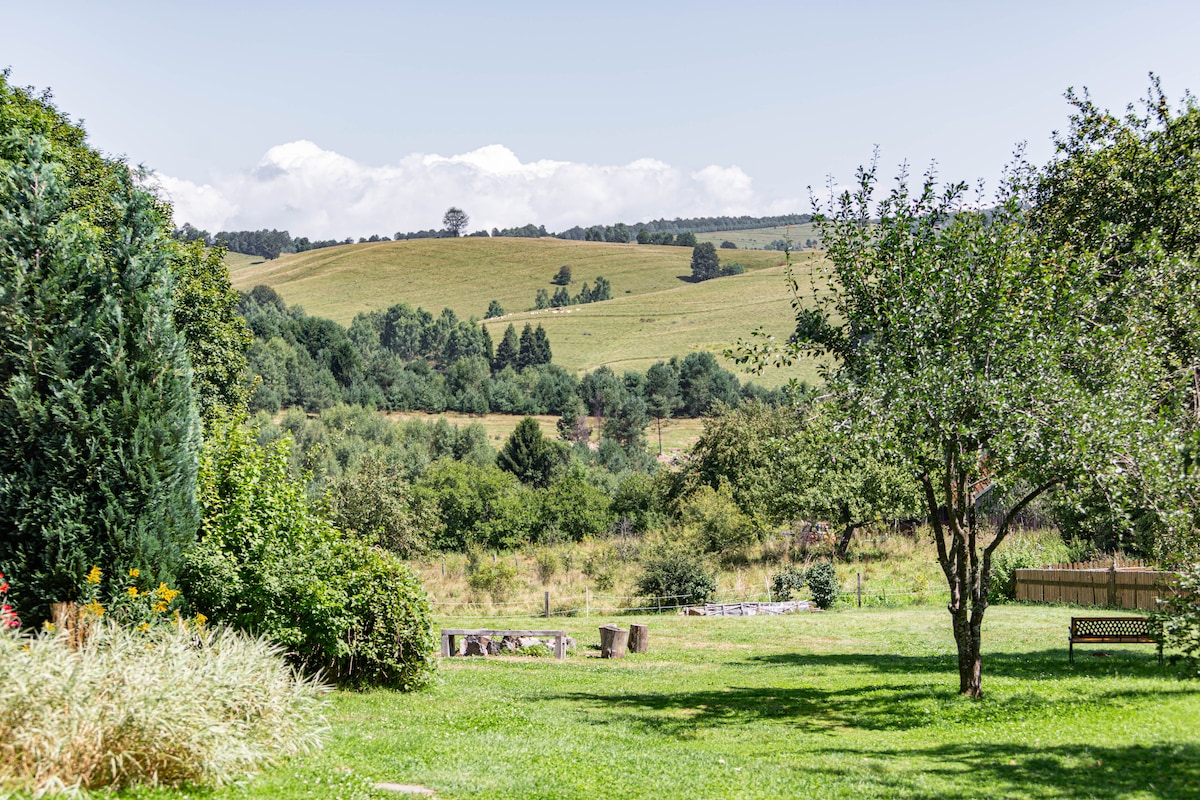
(787, 581)
(499, 580)
(1025, 551)
(375, 503)
(823, 583)
(676, 573)
(718, 521)
(268, 564)
(172, 706)
(547, 562)
(1179, 620)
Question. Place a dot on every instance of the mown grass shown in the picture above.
(844, 704)
(656, 311)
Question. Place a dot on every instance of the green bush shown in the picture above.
(174, 705)
(787, 581)
(1024, 551)
(823, 583)
(1179, 621)
(499, 579)
(676, 573)
(547, 563)
(717, 520)
(268, 564)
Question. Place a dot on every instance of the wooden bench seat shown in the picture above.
(450, 634)
(1112, 630)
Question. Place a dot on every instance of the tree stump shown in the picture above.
(639, 638)
(69, 617)
(613, 641)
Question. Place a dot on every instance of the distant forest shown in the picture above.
(270, 244)
(407, 359)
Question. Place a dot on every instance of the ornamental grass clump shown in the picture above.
(173, 705)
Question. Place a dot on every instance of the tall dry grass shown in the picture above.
(169, 706)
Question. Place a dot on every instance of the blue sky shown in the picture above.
(354, 118)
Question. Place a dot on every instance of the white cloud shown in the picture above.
(324, 195)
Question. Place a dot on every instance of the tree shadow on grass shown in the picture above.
(986, 770)
(918, 691)
(1050, 664)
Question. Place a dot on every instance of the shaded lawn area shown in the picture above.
(851, 703)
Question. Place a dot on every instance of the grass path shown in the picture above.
(846, 704)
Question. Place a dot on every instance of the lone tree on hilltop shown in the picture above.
(455, 221)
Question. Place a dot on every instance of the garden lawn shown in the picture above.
(852, 703)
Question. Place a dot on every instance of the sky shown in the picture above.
(347, 119)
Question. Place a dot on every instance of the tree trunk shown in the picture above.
(613, 641)
(843, 545)
(970, 661)
(639, 638)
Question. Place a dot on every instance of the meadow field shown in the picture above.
(849, 703)
(656, 311)
(758, 238)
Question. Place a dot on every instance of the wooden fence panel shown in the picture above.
(1136, 588)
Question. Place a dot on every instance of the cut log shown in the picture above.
(613, 641)
(639, 638)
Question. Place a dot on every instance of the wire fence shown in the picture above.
(592, 603)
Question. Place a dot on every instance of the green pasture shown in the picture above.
(235, 261)
(656, 311)
(758, 238)
(851, 703)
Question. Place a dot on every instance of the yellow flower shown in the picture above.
(132, 591)
(145, 626)
(135, 572)
(94, 575)
(94, 608)
(48, 626)
(166, 593)
(200, 620)
(160, 607)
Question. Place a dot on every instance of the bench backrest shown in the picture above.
(1110, 628)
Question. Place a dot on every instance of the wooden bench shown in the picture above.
(1112, 630)
(449, 635)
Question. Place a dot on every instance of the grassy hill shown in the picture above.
(758, 238)
(656, 310)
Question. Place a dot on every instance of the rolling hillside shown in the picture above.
(656, 311)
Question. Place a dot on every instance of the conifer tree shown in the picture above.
(528, 351)
(99, 432)
(507, 351)
(541, 344)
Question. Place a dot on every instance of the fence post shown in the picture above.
(443, 566)
(547, 605)
(658, 600)
(859, 591)
(1112, 585)
(587, 602)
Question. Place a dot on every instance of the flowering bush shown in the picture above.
(134, 606)
(8, 617)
